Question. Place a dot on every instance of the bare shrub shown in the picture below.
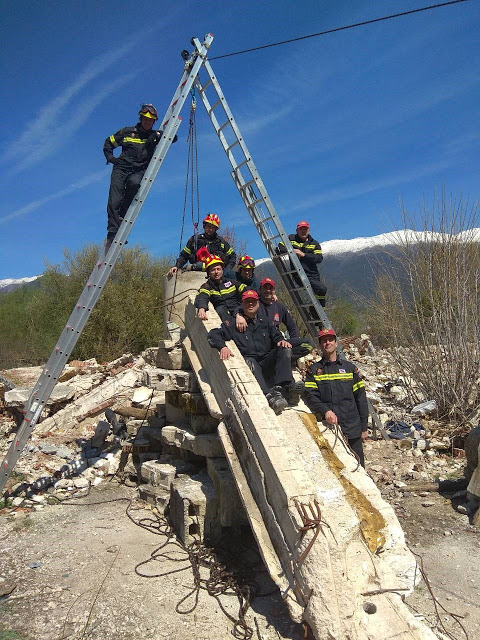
(427, 307)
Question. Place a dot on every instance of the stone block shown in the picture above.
(190, 403)
(194, 509)
(157, 474)
(207, 445)
(156, 496)
(153, 435)
(230, 507)
(101, 432)
(203, 424)
(171, 356)
(133, 426)
(472, 443)
(170, 379)
(17, 397)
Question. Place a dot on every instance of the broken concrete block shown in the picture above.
(203, 424)
(134, 425)
(153, 435)
(157, 474)
(207, 445)
(194, 509)
(474, 484)
(169, 379)
(101, 432)
(141, 395)
(190, 403)
(17, 397)
(231, 511)
(171, 356)
(156, 496)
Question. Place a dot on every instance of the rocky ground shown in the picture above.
(80, 556)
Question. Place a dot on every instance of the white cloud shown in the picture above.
(75, 186)
(41, 144)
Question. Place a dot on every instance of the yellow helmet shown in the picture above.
(213, 260)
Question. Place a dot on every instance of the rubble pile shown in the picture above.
(142, 420)
(145, 420)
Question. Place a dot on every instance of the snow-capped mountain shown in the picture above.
(350, 265)
(10, 284)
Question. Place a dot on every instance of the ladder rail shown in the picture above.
(268, 225)
(102, 270)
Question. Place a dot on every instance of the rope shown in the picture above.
(192, 169)
(344, 28)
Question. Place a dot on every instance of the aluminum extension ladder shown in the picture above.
(101, 272)
(258, 204)
(264, 216)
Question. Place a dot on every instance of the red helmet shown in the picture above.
(213, 260)
(249, 294)
(212, 218)
(269, 281)
(326, 332)
(303, 223)
(246, 262)
(203, 254)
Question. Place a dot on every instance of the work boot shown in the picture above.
(276, 401)
(293, 391)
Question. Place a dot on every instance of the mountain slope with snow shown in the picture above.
(10, 284)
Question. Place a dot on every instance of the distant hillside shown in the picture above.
(351, 265)
(10, 284)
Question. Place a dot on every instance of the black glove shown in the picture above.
(113, 160)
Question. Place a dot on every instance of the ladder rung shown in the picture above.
(225, 124)
(254, 204)
(241, 164)
(232, 145)
(247, 184)
(207, 84)
(265, 220)
(212, 108)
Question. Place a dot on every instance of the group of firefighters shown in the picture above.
(250, 312)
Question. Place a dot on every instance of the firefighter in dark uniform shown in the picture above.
(309, 253)
(335, 392)
(213, 243)
(138, 145)
(277, 312)
(221, 292)
(265, 351)
(246, 274)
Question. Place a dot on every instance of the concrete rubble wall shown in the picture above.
(360, 549)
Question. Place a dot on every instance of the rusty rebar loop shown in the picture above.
(309, 522)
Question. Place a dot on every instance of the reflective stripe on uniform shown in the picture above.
(136, 140)
(113, 141)
(187, 250)
(310, 385)
(358, 385)
(222, 292)
(229, 252)
(306, 345)
(326, 377)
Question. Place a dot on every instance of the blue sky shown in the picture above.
(341, 126)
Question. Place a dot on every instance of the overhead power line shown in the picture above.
(344, 28)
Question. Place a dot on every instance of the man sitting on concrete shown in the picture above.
(222, 293)
(265, 351)
(335, 392)
(277, 313)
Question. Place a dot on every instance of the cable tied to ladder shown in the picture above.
(191, 185)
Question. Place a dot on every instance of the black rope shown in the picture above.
(192, 168)
(344, 28)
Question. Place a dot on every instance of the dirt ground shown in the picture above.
(68, 571)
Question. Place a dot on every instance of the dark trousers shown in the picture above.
(272, 369)
(124, 184)
(357, 446)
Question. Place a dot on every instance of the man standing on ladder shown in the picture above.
(138, 146)
(309, 253)
(213, 243)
